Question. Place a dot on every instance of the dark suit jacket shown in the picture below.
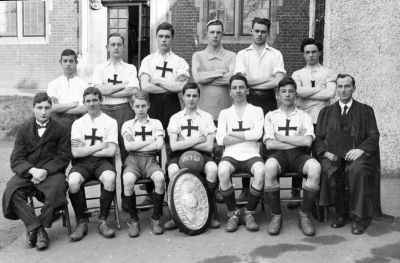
(51, 152)
(364, 130)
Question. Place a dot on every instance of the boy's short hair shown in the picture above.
(263, 21)
(93, 91)
(238, 76)
(286, 81)
(215, 22)
(69, 52)
(166, 26)
(311, 41)
(115, 34)
(40, 97)
(190, 85)
(141, 95)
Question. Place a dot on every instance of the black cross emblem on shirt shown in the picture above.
(189, 127)
(114, 81)
(93, 137)
(143, 133)
(313, 83)
(241, 127)
(287, 128)
(164, 69)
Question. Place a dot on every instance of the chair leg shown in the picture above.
(116, 211)
(326, 213)
(66, 219)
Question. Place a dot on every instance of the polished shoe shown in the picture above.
(134, 228)
(251, 224)
(80, 232)
(105, 230)
(275, 225)
(339, 222)
(356, 228)
(157, 227)
(244, 195)
(294, 205)
(42, 239)
(232, 224)
(170, 225)
(305, 224)
(218, 197)
(31, 238)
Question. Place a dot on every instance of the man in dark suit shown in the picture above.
(41, 154)
(347, 145)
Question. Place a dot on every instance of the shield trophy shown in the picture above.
(189, 203)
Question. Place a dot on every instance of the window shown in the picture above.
(223, 10)
(8, 19)
(24, 21)
(34, 18)
(238, 14)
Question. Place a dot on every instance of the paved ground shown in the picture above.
(380, 243)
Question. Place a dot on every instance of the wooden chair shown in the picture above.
(90, 210)
(297, 200)
(63, 210)
(243, 202)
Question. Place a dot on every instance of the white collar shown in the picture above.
(348, 104)
(44, 125)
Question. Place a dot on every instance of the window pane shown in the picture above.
(8, 18)
(113, 13)
(251, 9)
(224, 11)
(122, 23)
(113, 23)
(34, 18)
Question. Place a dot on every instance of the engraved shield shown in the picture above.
(188, 202)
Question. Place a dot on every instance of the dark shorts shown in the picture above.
(92, 167)
(242, 166)
(143, 166)
(292, 160)
(174, 157)
(264, 99)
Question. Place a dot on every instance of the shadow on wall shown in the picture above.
(26, 84)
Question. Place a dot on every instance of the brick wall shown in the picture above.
(38, 63)
(292, 16)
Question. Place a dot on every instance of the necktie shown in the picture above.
(345, 110)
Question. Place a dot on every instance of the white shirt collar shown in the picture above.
(251, 47)
(195, 113)
(120, 62)
(348, 104)
(44, 125)
(145, 121)
(169, 53)
(66, 79)
(292, 112)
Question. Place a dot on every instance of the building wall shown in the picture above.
(365, 43)
(37, 64)
(290, 20)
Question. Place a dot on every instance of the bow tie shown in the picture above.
(40, 126)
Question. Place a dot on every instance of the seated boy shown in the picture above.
(288, 135)
(143, 138)
(239, 129)
(193, 129)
